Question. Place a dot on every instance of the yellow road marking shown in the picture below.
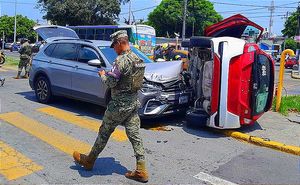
(49, 135)
(118, 134)
(14, 165)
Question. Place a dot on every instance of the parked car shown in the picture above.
(233, 80)
(15, 47)
(290, 63)
(67, 66)
(7, 45)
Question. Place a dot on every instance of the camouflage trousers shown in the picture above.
(24, 64)
(124, 113)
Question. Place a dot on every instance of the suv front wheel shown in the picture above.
(42, 90)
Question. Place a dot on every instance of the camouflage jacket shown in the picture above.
(126, 76)
(25, 51)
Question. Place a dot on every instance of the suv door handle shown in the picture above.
(50, 61)
(76, 67)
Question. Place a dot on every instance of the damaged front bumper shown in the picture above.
(158, 99)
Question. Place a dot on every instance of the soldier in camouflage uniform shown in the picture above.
(25, 57)
(124, 80)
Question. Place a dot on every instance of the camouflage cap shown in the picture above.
(117, 35)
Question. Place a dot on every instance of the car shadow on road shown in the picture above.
(204, 132)
(29, 95)
(103, 166)
(166, 123)
(250, 128)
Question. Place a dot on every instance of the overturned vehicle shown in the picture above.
(233, 80)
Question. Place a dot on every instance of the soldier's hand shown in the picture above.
(101, 73)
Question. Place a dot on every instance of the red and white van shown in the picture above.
(233, 80)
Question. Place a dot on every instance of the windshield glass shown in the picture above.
(49, 32)
(111, 55)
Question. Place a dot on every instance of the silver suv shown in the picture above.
(67, 66)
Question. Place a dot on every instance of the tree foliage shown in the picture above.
(81, 12)
(291, 44)
(24, 27)
(291, 25)
(167, 17)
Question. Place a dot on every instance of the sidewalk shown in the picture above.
(276, 127)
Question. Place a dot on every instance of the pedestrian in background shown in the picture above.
(125, 80)
(25, 57)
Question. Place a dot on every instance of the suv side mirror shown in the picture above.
(95, 62)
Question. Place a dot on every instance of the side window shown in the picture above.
(86, 54)
(49, 50)
(65, 51)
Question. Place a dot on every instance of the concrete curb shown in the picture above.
(295, 150)
(294, 75)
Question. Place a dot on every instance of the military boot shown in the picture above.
(26, 75)
(85, 161)
(18, 75)
(140, 174)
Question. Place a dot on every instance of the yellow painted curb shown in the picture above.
(295, 150)
(237, 135)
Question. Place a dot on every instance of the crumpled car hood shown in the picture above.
(163, 71)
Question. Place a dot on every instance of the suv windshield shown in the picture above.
(111, 55)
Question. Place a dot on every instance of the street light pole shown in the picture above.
(15, 27)
(129, 17)
(184, 19)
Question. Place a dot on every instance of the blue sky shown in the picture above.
(28, 8)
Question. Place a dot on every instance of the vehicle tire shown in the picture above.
(2, 60)
(200, 42)
(196, 119)
(42, 90)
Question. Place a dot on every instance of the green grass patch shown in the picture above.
(288, 104)
(11, 61)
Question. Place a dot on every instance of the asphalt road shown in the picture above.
(14, 54)
(36, 141)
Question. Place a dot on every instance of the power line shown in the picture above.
(249, 13)
(138, 10)
(288, 3)
(249, 5)
(281, 15)
(242, 10)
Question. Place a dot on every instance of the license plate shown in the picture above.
(183, 99)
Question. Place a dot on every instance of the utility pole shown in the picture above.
(286, 16)
(129, 17)
(184, 19)
(15, 27)
(37, 35)
(3, 38)
(271, 8)
(298, 37)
